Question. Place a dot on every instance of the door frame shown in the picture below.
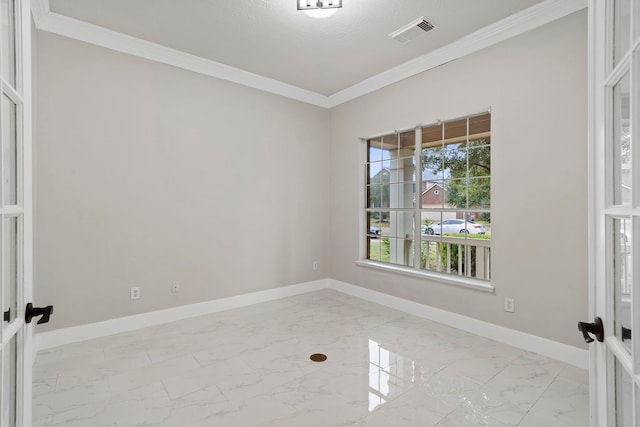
(596, 237)
(28, 352)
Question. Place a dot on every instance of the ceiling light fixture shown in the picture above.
(319, 8)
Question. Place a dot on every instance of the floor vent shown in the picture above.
(318, 357)
(412, 30)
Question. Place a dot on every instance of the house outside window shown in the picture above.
(444, 228)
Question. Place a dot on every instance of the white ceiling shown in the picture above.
(272, 39)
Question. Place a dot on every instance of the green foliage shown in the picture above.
(378, 251)
(453, 256)
(379, 193)
(386, 247)
(467, 168)
(423, 253)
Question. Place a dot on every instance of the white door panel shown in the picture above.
(15, 213)
(614, 151)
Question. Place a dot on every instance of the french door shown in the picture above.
(614, 127)
(15, 213)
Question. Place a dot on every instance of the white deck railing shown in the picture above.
(458, 251)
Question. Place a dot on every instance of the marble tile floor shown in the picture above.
(250, 367)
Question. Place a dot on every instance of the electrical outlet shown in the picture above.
(509, 305)
(315, 265)
(135, 292)
(175, 287)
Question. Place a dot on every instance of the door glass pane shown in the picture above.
(636, 20)
(10, 149)
(622, 26)
(623, 278)
(10, 272)
(10, 144)
(8, 41)
(624, 397)
(9, 384)
(621, 157)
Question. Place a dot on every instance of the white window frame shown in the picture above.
(415, 270)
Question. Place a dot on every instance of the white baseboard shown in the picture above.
(566, 353)
(553, 349)
(45, 340)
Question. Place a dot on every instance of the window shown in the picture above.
(431, 185)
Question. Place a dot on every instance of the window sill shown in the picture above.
(478, 285)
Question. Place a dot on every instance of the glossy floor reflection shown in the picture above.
(251, 367)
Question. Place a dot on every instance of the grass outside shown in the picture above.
(469, 236)
(377, 251)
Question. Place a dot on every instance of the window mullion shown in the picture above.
(467, 175)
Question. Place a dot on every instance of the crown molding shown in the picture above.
(100, 36)
(514, 25)
(519, 23)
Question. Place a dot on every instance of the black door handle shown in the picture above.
(32, 312)
(596, 328)
(7, 315)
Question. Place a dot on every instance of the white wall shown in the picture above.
(536, 87)
(146, 174)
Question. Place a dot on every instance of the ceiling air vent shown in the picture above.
(412, 30)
